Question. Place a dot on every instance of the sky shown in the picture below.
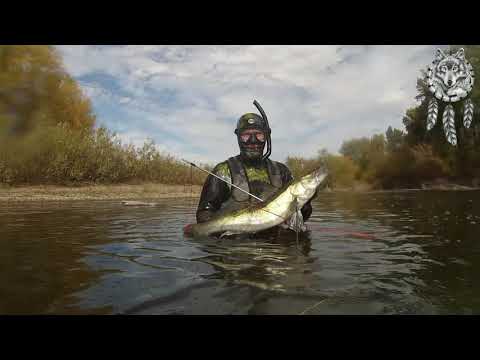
(187, 99)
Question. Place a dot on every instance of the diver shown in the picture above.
(251, 170)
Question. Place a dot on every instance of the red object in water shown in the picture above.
(361, 235)
(343, 232)
(187, 230)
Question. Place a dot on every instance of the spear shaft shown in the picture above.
(218, 177)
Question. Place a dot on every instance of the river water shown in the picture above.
(412, 252)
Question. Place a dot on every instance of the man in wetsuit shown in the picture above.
(250, 170)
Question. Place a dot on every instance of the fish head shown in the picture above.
(304, 189)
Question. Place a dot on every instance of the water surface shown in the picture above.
(375, 253)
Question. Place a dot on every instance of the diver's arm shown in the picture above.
(307, 208)
(214, 193)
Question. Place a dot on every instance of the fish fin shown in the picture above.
(296, 222)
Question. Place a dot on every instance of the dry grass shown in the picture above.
(97, 192)
(60, 155)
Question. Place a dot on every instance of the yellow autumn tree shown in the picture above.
(36, 91)
(47, 133)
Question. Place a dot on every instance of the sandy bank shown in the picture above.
(97, 192)
(155, 191)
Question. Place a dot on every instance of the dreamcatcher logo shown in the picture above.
(450, 79)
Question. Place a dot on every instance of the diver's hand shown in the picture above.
(204, 216)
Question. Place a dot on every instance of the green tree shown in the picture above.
(341, 169)
(357, 151)
(394, 139)
(366, 153)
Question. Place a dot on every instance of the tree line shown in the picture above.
(409, 157)
(48, 135)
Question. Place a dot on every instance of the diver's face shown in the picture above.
(252, 143)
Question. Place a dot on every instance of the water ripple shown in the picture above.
(381, 253)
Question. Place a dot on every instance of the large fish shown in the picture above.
(272, 212)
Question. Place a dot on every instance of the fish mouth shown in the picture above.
(319, 175)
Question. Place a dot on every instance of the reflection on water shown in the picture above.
(375, 253)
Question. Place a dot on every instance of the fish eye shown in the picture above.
(455, 68)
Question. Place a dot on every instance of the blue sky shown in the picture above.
(188, 98)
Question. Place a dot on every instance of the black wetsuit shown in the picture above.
(261, 179)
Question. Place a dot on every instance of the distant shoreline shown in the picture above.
(97, 192)
(157, 191)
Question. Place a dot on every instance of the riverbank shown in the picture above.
(97, 192)
(158, 191)
(436, 185)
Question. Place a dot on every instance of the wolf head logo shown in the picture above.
(450, 77)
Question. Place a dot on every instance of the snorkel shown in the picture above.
(267, 132)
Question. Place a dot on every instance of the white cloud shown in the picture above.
(188, 98)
